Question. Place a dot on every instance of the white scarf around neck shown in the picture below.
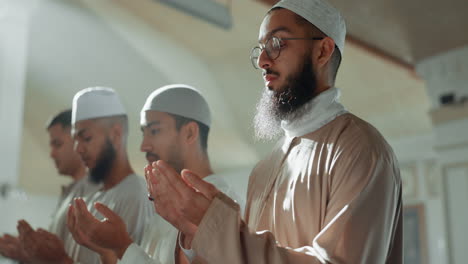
(318, 112)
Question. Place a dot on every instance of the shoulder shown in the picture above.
(352, 133)
(133, 187)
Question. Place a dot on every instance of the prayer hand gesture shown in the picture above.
(11, 247)
(108, 237)
(41, 246)
(180, 199)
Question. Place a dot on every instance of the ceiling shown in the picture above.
(402, 30)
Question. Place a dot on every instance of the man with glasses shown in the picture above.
(330, 192)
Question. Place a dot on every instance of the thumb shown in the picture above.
(205, 188)
(107, 212)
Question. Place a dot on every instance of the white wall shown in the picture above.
(443, 73)
(457, 211)
(14, 28)
(422, 185)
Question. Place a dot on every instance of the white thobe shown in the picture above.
(129, 200)
(160, 238)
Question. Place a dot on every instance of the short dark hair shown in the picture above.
(63, 118)
(203, 129)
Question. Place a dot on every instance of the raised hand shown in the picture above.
(180, 199)
(104, 237)
(10, 247)
(41, 246)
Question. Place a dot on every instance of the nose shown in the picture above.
(79, 147)
(52, 153)
(264, 62)
(145, 146)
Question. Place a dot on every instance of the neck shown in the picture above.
(79, 173)
(199, 164)
(120, 169)
(322, 87)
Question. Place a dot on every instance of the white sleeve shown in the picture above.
(135, 254)
(189, 253)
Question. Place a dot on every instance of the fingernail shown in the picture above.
(161, 164)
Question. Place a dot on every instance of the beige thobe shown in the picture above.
(330, 196)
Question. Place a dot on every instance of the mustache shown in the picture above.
(269, 71)
(152, 155)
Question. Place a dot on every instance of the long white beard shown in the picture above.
(267, 120)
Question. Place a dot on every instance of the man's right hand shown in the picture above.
(41, 246)
(103, 236)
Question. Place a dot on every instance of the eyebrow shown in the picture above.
(276, 30)
(54, 141)
(80, 133)
(150, 124)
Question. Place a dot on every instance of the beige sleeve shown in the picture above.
(223, 237)
(363, 216)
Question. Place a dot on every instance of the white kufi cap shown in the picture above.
(320, 14)
(179, 99)
(96, 102)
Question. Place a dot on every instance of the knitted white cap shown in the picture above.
(96, 102)
(320, 14)
(179, 99)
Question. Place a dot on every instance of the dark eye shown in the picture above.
(154, 131)
(87, 139)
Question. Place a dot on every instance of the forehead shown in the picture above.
(156, 116)
(58, 130)
(279, 20)
(87, 126)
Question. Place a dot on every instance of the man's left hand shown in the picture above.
(110, 234)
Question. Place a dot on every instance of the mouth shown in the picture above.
(86, 161)
(269, 77)
(150, 157)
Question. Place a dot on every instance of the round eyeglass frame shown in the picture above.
(259, 49)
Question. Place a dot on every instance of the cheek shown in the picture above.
(87, 152)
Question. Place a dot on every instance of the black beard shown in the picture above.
(285, 104)
(173, 160)
(299, 89)
(104, 163)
